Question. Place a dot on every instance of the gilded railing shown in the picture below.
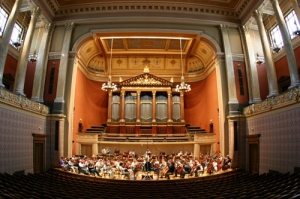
(288, 98)
(22, 102)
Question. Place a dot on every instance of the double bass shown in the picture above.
(164, 171)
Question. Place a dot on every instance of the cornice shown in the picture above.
(21, 102)
(286, 99)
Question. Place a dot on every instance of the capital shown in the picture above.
(35, 12)
(223, 27)
(69, 26)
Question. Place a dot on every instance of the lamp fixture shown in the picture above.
(109, 86)
(33, 57)
(258, 60)
(182, 87)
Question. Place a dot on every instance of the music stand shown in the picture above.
(147, 165)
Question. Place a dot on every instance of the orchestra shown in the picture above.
(128, 164)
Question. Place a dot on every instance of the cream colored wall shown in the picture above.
(36, 40)
(235, 40)
(57, 39)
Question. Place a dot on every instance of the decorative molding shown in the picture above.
(288, 98)
(22, 102)
(238, 57)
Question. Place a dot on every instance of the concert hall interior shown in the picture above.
(188, 80)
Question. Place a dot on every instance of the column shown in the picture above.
(59, 101)
(122, 104)
(289, 51)
(6, 37)
(182, 106)
(253, 86)
(41, 65)
(170, 106)
(271, 73)
(23, 61)
(233, 103)
(196, 150)
(109, 108)
(153, 106)
(138, 106)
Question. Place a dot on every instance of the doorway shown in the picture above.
(253, 153)
(38, 153)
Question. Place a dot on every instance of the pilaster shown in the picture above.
(232, 97)
(41, 65)
(59, 101)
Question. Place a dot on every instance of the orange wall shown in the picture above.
(262, 81)
(10, 67)
(90, 103)
(242, 99)
(281, 65)
(50, 97)
(201, 104)
(28, 85)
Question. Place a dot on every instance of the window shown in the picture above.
(240, 75)
(51, 82)
(276, 38)
(3, 20)
(292, 23)
(16, 36)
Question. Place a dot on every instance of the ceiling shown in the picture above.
(161, 50)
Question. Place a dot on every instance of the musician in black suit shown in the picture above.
(171, 170)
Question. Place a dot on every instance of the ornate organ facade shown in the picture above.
(146, 104)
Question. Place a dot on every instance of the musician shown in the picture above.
(63, 163)
(124, 171)
(72, 166)
(103, 151)
(228, 161)
(83, 167)
(108, 168)
(180, 153)
(108, 151)
(134, 167)
(162, 166)
(171, 166)
(99, 166)
(91, 167)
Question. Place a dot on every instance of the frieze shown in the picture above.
(288, 98)
(22, 102)
(146, 79)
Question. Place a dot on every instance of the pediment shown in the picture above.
(146, 79)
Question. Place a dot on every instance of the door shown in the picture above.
(253, 158)
(38, 158)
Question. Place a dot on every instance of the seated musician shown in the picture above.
(82, 167)
(91, 166)
(99, 167)
(163, 165)
(124, 171)
(108, 168)
(228, 161)
(171, 170)
(63, 163)
(72, 166)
